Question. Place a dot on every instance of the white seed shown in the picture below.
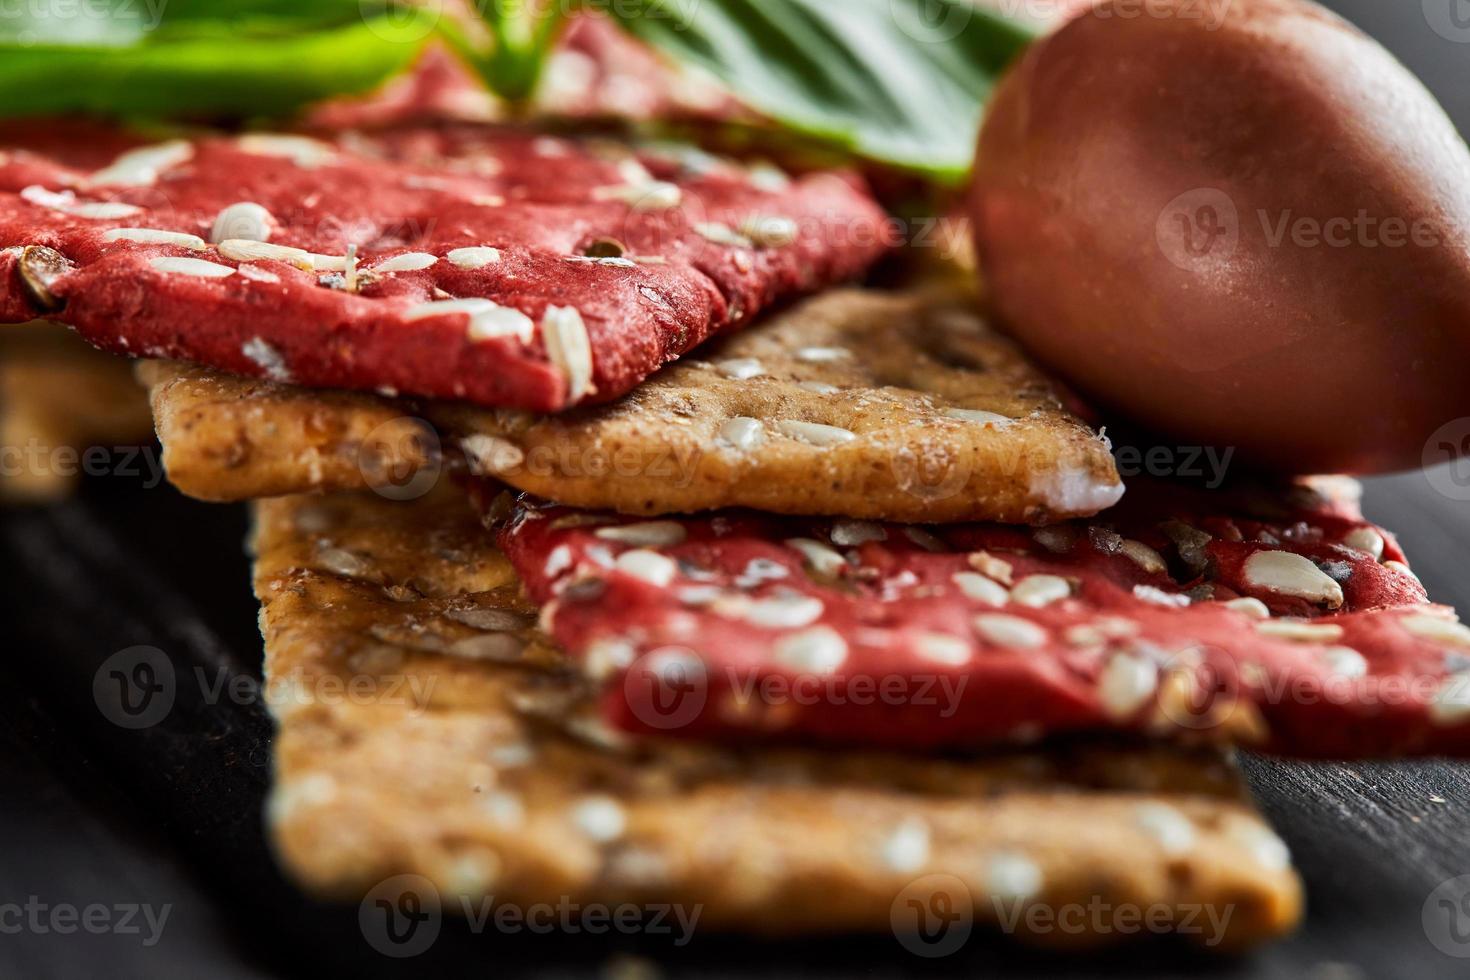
(722, 234)
(650, 566)
(987, 564)
(1167, 825)
(1451, 703)
(1126, 683)
(1365, 539)
(1254, 608)
(154, 236)
(647, 534)
(1436, 628)
(1012, 878)
(674, 666)
(487, 320)
(981, 589)
(258, 274)
(742, 433)
(190, 267)
(821, 559)
(407, 262)
(1399, 566)
(813, 433)
(1038, 591)
(741, 368)
(941, 648)
(1265, 848)
(822, 355)
(569, 348)
(819, 387)
(784, 612)
(67, 203)
(979, 417)
(1143, 556)
(143, 166)
(1344, 661)
(820, 650)
(850, 534)
(249, 250)
(906, 849)
(769, 230)
(300, 150)
(489, 455)
(1298, 631)
(1159, 597)
(601, 818)
(267, 358)
(1286, 573)
(242, 221)
(606, 657)
(1009, 631)
(654, 195)
(765, 176)
(474, 256)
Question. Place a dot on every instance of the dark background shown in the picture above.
(90, 813)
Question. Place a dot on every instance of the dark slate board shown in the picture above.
(171, 813)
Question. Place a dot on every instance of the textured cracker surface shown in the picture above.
(469, 757)
(887, 368)
(57, 393)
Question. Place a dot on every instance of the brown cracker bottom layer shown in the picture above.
(427, 728)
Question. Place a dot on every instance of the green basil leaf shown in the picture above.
(266, 57)
(899, 81)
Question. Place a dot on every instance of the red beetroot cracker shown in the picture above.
(1282, 620)
(504, 268)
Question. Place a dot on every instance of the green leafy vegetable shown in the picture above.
(195, 57)
(900, 81)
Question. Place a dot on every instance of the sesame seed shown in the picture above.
(976, 586)
(813, 433)
(1298, 631)
(1038, 591)
(1167, 825)
(267, 358)
(1437, 628)
(740, 368)
(650, 566)
(473, 257)
(486, 320)
(646, 534)
(1009, 631)
(250, 250)
(822, 355)
(1158, 597)
(488, 455)
(301, 150)
(190, 267)
(244, 220)
(1012, 877)
(570, 349)
(154, 236)
(820, 558)
(1367, 540)
(1143, 556)
(849, 534)
(406, 262)
(906, 848)
(1290, 574)
(819, 650)
(742, 433)
(987, 564)
(1344, 661)
(979, 417)
(144, 165)
(770, 231)
(1451, 702)
(600, 817)
(784, 612)
(1126, 684)
(1254, 608)
(722, 234)
(941, 648)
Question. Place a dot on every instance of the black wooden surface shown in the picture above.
(170, 816)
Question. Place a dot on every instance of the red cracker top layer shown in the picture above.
(446, 262)
(1280, 620)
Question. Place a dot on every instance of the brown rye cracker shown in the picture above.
(426, 728)
(900, 406)
(59, 398)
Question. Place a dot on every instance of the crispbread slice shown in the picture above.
(58, 397)
(468, 755)
(902, 406)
